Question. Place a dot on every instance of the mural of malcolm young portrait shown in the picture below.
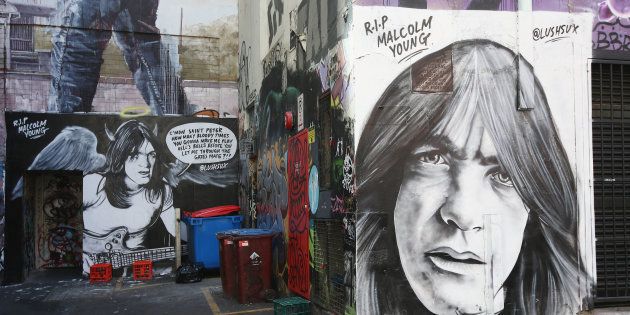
(128, 197)
(465, 204)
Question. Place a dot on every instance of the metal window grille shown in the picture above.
(611, 165)
(22, 32)
(328, 288)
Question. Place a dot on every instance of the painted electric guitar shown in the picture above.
(111, 248)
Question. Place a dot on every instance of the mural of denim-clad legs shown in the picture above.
(77, 54)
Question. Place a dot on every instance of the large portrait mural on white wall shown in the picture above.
(470, 171)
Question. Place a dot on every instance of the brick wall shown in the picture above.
(29, 92)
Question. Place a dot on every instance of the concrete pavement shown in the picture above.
(66, 292)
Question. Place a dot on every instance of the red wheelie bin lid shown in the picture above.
(213, 212)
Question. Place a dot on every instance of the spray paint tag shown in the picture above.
(311, 135)
(300, 106)
(243, 243)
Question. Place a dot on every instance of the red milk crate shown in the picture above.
(142, 270)
(100, 273)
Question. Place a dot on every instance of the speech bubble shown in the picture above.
(201, 143)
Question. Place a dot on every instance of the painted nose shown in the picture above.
(466, 201)
(145, 161)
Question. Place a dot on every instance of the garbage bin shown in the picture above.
(228, 262)
(203, 246)
(246, 272)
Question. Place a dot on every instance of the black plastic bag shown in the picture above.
(189, 273)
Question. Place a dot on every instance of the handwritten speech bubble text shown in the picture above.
(201, 143)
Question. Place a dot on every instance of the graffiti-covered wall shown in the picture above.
(473, 161)
(133, 173)
(135, 58)
(297, 175)
(58, 225)
(450, 133)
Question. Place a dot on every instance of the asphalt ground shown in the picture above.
(67, 292)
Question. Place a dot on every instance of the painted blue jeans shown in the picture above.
(78, 45)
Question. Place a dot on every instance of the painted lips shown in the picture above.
(144, 173)
(447, 259)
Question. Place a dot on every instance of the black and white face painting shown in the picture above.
(139, 167)
(467, 200)
(452, 184)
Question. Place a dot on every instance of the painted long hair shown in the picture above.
(492, 79)
(126, 142)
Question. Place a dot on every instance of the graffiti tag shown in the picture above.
(554, 33)
(400, 40)
(348, 174)
(311, 135)
(31, 130)
(337, 205)
(339, 150)
(300, 106)
(271, 202)
(605, 36)
(213, 167)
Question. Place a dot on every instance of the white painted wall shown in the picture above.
(561, 66)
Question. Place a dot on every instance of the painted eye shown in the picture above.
(432, 158)
(502, 178)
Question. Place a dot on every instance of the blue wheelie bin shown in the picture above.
(203, 246)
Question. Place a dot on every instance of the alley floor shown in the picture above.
(65, 292)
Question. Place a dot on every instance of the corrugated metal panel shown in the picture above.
(611, 165)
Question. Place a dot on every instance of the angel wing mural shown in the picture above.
(74, 149)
